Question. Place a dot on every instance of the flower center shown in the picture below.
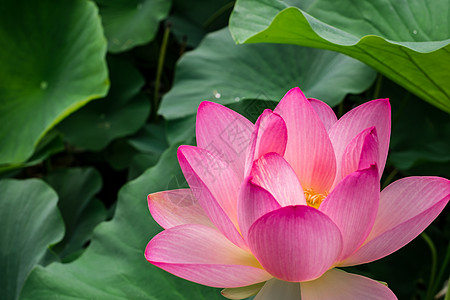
(314, 199)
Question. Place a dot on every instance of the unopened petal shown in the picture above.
(295, 243)
(376, 113)
(339, 285)
(224, 133)
(309, 150)
(202, 254)
(270, 135)
(176, 207)
(406, 208)
(352, 206)
(274, 174)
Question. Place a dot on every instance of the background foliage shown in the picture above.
(95, 98)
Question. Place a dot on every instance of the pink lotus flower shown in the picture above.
(275, 207)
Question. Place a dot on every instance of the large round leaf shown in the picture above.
(30, 222)
(129, 23)
(76, 188)
(52, 63)
(150, 139)
(114, 267)
(50, 144)
(192, 19)
(407, 41)
(221, 71)
(122, 112)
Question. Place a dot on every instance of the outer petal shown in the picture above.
(216, 187)
(352, 206)
(339, 285)
(324, 111)
(360, 153)
(225, 133)
(274, 174)
(375, 113)
(406, 208)
(278, 289)
(254, 202)
(201, 254)
(176, 207)
(309, 150)
(295, 243)
(270, 135)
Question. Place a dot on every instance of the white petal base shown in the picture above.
(339, 285)
(278, 289)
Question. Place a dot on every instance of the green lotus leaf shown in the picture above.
(52, 63)
(193, 19)
(181, 130)
(420, 139)
(150, 139)
(49, 145)
(30, 222)
(221, 71)
(129, 23)
(141, 162)
(407, 41)
(121, 113)
(93, 214)
(119, 154)
(114, 266)
(76, 188)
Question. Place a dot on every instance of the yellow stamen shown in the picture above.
(314, 199)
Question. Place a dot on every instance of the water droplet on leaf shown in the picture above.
(217, 95)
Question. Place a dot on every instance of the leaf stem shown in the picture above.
(162, 55)
(447, 295)
(442, 270)
(217, 14)
(48, 165)
(429, 241)
(376, 92)
(340, 111)
(389, 178)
